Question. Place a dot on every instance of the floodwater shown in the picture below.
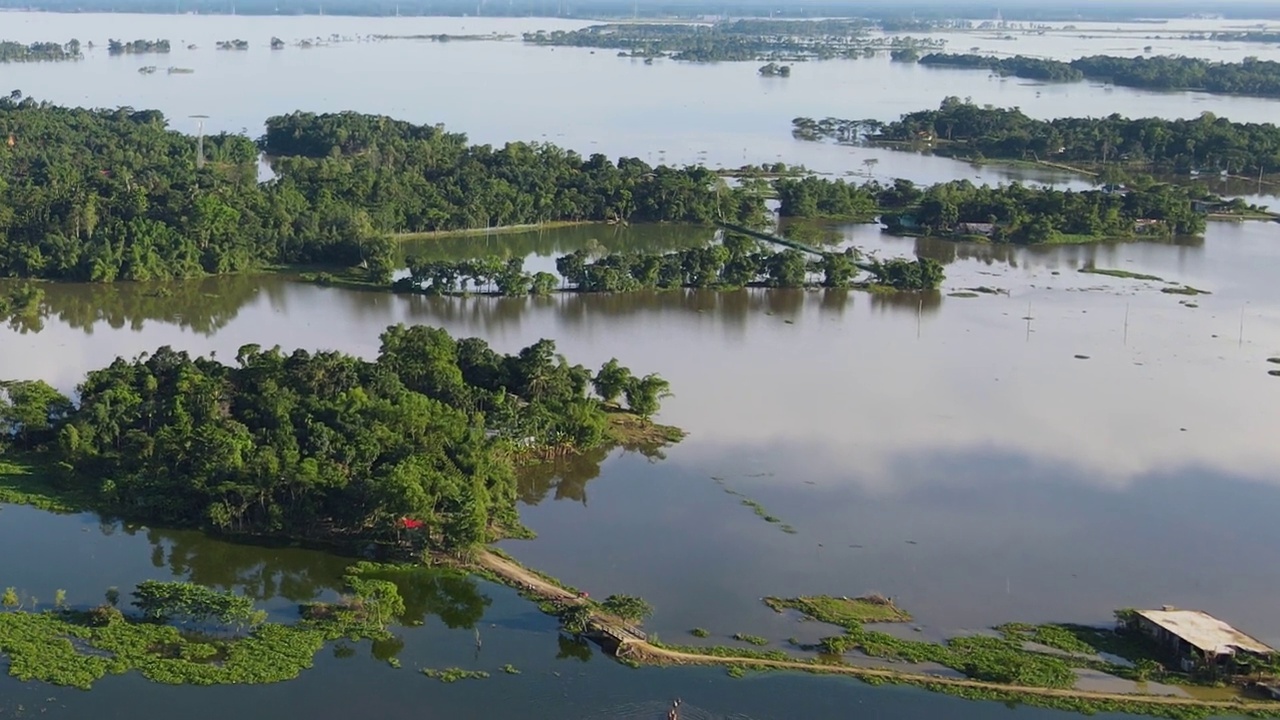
(720, 114)
(1072, 444)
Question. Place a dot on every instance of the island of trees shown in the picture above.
(967, 130)
(236, 44)
(1251, 76)
(103, 195)
(1018, 214)
(39, 51)
(137, 47)
(737, 40)
(416, 446)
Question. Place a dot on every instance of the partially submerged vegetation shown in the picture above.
(39, 51)
(1129, 275)
(756, 507)
(454, 674)
(183, 634)
(842, 611)
(137, 47)
(737, 262)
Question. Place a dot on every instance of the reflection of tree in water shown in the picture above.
(263, 573)
(813, 232)
(572, 648)
(1048, 256)
(562, 241)
(452, 596)
(568, 476)
(387, 647)
(299, 575)
(204, 305)
(925, 303)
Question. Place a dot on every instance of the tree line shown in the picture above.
(39, 51)
(103, 195)
(321, 444)
(1250, 76)
(1206, 142)
(740, 262)
(737, 262)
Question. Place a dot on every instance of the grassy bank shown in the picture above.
(630, 430)
(27, 479)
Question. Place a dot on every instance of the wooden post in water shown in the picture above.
(1240, 343)
(1126, 324)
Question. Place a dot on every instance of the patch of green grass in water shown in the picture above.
(1184, 290)
(28, 479)
(752, 639)
(756, 507)
(840, 611)
(700, 632)
(1054, 636)
(1121, 274)
(68, 648)
(453, 674)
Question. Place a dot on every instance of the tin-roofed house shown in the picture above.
(1197, 638)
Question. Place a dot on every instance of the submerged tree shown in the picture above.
(645, 395)
(612, 381)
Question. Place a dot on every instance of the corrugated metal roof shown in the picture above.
(1204, 631)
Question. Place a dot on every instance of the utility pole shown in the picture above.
(200, 140)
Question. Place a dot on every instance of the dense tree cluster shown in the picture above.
(482, 275)
(1206, 142)
(1020, 214)
(813, 197)
(102, 195)
(420, 178)
(320, 444)
(39, 51)
(739, 262)
(736, 40)
(137, 47)
(1251, 76)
